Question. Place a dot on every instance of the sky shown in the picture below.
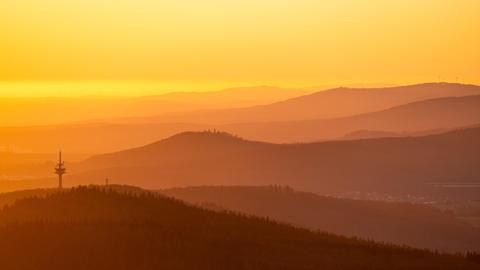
(138, 47)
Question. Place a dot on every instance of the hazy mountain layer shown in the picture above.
(417, 118)
(333, 103)
(57, 110)
(398, 165)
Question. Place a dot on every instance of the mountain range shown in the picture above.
(58, 110)
(332, 103)
(410, 165)
(428, 116)
(417, 117)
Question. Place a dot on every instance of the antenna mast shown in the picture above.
(60, 170)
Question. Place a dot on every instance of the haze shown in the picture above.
(208, 45)
(228, 134)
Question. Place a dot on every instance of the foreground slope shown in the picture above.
(400, 223)
(95, 229)
(397, 165)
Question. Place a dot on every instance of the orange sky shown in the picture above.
(84, 47)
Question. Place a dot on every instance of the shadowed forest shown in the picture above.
(96, 227)
(400, 222)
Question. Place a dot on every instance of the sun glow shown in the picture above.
(211, 44)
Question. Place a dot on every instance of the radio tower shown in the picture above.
(60, 169)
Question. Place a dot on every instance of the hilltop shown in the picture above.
(395, 222)
(88, 228)
(390, 165)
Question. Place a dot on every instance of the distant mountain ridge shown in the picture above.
(332, 103)
(61, 110)
(416, 117)
(412, 119)
(397, 165)
(371, 134)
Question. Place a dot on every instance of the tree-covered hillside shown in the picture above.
(93, 228)
(391, 222)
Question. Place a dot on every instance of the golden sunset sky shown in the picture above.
(139, 47)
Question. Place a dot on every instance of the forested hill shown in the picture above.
(93, 228)
(399, 223)
(400, 166)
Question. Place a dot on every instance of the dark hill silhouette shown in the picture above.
(9, 198)
(397, 165)
(400, 223)
(101, 229)
(333, 103)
